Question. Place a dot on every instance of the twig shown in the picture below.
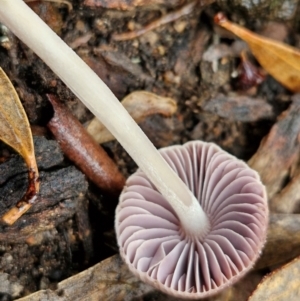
(173, 16)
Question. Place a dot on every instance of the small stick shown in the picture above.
(173, 16)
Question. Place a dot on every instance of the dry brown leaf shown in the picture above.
(278, 59)
(15, 131)
(281, 285)
(139, 105)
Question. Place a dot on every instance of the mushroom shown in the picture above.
(158, 249)
(187, 216)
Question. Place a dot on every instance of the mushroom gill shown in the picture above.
(156, 247)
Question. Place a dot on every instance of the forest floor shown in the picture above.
(190, 60)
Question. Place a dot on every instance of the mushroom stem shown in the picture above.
(100, 100)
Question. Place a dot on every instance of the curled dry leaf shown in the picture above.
(15, 131)
(139, 105)
(81, 148)
(280, 60)
(281, 285)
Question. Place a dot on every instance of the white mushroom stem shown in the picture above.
(90, 89)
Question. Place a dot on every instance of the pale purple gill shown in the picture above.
(156, 247)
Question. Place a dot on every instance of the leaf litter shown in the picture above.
(190, 103)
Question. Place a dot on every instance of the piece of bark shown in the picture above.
(47, 154)
(288, 200)
(65, 185)
(239, 108)
(84, 229)
(82, 149)
(30, 224)
(283, 240)
(280, 285)
(108, 280)
(55, 186)
(189, 54)
(57, 201)
(279, 150)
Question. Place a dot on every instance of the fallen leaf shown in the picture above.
(280, 285)
(278, 59)
(139, 105)
(15, 131)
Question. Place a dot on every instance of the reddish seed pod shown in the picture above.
(81, 148)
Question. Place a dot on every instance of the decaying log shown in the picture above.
(62, 189)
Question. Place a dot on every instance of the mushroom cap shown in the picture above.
(156, 248)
